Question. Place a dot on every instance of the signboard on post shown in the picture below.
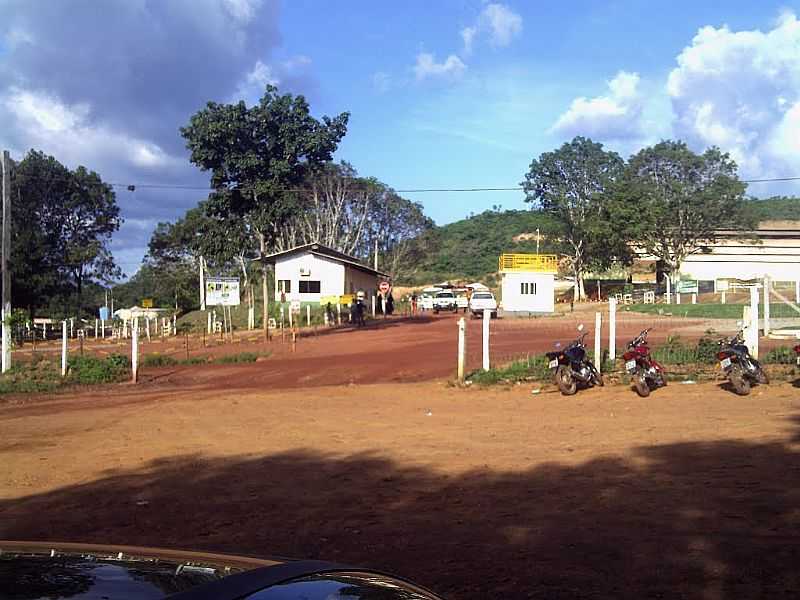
(222, 291)
(384, 287)
(147, 303)
(687, 287)
(294, 306)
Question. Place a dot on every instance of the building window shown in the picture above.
(285, 286)
(527, 288)
(310, 287)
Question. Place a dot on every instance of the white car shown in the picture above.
(483, 301)
(445, 300)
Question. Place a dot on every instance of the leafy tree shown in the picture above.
(574, 184)
(63, 223)
(257, 155)
(674, 201)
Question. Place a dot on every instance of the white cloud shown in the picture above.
(468, 36)
(381, 81)
(67, 132)
(740, 90)
(451, 68)
(502, 23)
(242, 11)
(615, 115)
(252, 86)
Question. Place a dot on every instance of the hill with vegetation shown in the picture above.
(469, 248)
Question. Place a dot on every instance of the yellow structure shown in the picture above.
(528, 263)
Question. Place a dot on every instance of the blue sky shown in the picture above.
(460, 93)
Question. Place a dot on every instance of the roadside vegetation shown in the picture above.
(710, 311)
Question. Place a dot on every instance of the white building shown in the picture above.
(528, 285)
(775, 252)
(312, 271)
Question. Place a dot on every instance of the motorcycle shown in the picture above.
(797, 351)
(742, 370)
(646, 373)
(571, 368)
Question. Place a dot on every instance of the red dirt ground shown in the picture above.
(393, 350)
(693, 493)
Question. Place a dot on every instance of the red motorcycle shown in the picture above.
(646, 374)
(797, 350)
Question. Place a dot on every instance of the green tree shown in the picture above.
(574, 184)
(62, 225)
(257, 155)
(673, 201)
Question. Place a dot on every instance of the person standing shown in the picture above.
(413, 303)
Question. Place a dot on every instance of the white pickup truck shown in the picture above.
(483, 301)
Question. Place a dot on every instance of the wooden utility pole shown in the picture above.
(202, 284)
(4, 262)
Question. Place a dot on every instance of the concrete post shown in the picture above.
(95, 329)
(308, 315)
(723, 297)
(669, 290)
(487, 317)
(694, 298)
(63, 348)
(677, 298)
(767, 284)
(598, 323)
(753, 346)
(135, 350)
(208, 318)
(462, 347)
(612, 329)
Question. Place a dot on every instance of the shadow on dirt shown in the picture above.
(692, 520)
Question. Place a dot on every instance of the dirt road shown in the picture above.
(395, 350)
(692, 493)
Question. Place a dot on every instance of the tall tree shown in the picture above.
(257, 156)
(85, 222)
(63, 223)
(674, 201)
(574, 184)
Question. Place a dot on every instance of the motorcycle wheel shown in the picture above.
(565, 381)
(597, 379)
(740, 383)
(640, 384)
(761, 376)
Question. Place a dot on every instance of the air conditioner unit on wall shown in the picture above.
(305, 272)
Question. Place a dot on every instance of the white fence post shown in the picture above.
(373, 306)
(694, 298)
(208, 319)
(135, 350)
(339, 313)
(487, 317)
(669, 291)
(308, 315)
(64, 348)
(753, 322)
(677, 297)
(767, 284)
(290, 317)
(723, 297)
(612, 329)
(598, 323)
(462, 347)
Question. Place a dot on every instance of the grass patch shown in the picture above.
(158, 360)
(241, 357)
(92, 370)
(194, 360)
(37, 378)
(783, 355)
(709, 311)
(529, 369)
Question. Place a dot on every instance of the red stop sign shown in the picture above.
(384, 286)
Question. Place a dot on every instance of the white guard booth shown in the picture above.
(528, 285)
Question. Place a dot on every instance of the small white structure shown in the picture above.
(528, 285)
(310, 272)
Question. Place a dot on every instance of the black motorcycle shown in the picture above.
(741, 369)
(571, 367)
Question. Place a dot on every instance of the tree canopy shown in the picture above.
(575, 183)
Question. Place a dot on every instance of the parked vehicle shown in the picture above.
(742, 370)
(572, 368)
(445, 300)
(483, 301)
(462, 302)
(646, 373)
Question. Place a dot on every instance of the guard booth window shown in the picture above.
(309, 287)
(527, 288)
(285, 286)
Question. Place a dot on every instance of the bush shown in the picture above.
(30, 379)
(194, 360)
(532, 368)
(242, 357)
(90, 369)
(158, 360)
(783, 355)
